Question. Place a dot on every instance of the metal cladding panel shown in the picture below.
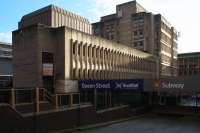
(114, 85)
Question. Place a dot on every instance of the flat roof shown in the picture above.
(50, 7)
(5, 44)
(189, 55)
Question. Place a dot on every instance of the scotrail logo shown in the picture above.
(118, 85)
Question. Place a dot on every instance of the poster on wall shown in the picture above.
(47, 69)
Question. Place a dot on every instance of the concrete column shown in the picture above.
(37, 99)
(71, 99)
(76, 59)
(85, 96)
(79, 98)
(110, 99)
(95, 98)
(103, 64)
(13, 97)
(56, 102)
(81, 59)
(106, 98)
(86, 61)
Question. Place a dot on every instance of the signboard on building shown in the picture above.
(135, 84)
(47, 69)
(66, 86)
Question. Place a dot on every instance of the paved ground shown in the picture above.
(151, 124)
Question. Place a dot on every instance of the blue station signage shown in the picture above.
(135, 84)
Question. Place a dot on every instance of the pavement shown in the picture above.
(150, 124)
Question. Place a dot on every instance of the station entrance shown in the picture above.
(112, 93)
(176, 95)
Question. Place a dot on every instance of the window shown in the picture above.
(74, 48)
(135, 44)
(101, 54)
(97, 51)
(140, 32)
(141, 43)
(88, 51)
(74, 73)
(93, 52)
(111, 37)
(47, 57)
(84, 50)
(79, 49)
(135, 33)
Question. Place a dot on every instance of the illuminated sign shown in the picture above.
(135, 84)
(169, 85)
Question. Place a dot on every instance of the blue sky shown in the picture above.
(184, 15)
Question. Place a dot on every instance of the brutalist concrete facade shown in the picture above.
(76, 55)
(54, 16)
(5, 58)
(189, 64)
(134, 26)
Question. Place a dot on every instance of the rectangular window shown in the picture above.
(84, 50)
(135, 44)
(135, 33)
(74, 73)
(92, 52)
(88, 51)
(141, 43)
(97, 52)
(79, 49)
(141, 32)
(74, 48)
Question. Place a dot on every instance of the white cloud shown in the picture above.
(104, 7)
(182, 14)
(6, 37)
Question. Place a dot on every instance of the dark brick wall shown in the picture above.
(44, 122)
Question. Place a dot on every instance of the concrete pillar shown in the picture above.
(95, 98)
(37, 100)
(81, 60)
(110, 99)
(71, 100)
(106, 98)
(85, 96)
(56, 102)
(13, 97)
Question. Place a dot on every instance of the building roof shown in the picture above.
(189, 55)
(50, 7)
(5, 44)
(6, 50)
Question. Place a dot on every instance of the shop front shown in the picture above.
(180, 91)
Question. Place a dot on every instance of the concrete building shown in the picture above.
(134, 26)
(166, 46)
(50, 56)
(48, 51)
(60, 58)
(54, 16)
(5, 64)
(5, 58)
(189, 64)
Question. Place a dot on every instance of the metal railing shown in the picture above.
(36, 96)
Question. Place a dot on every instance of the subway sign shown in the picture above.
(135, 84)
